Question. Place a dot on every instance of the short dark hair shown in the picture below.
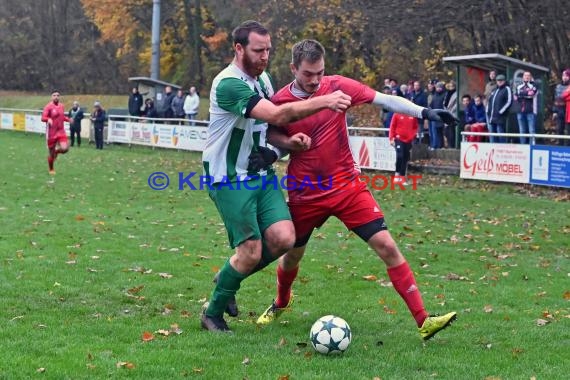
(54, 91)
(466, 96)
(306, 50)
(240, 35)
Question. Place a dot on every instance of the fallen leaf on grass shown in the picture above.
(246, 361)
(370, 277)
(542, 322)
(197, 370)
(283, 377)
(136, 289)
(455, 277)
(40, 370)
(147, 336)
(387, 310)
(488, 309)
(566, 295)
(127, 365)
(165, 275)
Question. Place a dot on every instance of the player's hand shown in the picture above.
(440, 116)
(339, 101)
(392, 142)
(261, 159)
(300, 142)
(50, 122)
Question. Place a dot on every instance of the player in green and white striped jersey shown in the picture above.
(256, 217)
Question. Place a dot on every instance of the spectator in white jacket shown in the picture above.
(191, 105)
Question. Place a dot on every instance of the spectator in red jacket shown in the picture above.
(403, 130)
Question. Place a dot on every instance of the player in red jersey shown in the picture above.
(54, 117)
(329, 165)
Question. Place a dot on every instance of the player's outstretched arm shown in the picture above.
(402, 105)
(286, 113)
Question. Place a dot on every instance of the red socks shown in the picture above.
(51, 159)
(405, 284)
(284, 283)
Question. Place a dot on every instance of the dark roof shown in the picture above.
(153, 82)
(494, 61)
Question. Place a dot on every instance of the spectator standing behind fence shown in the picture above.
(177, 105)
(419, 97)
(498, 106)
(149, 109)
(490, 86)
(436, 127)
(566, 97)
(450, 104)
(98, 119)
(135, 102)
(75, 115)
(192, 104)
(167, 105)
(403, 130)
(525, 96)
(559, 109)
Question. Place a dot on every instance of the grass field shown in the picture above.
(103, 277)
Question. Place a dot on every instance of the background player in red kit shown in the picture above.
(329, 157)
(54, 117)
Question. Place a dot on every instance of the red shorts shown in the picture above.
(57, 137)
(354, 208)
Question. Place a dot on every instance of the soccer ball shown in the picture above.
(330, 335)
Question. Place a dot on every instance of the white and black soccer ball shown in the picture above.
(330, 335)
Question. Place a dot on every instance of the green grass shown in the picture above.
(75, 251)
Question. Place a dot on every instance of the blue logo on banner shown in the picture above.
(550, 165)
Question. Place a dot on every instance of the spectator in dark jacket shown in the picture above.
(167, 105)
(149, 109)
(475, 119)
(418, 96)
(135, 102)
(480, 116)
(177, 105)
(498, 106)
(75, 115)
(436, 127)
(98, 119)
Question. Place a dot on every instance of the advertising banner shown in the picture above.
(373, 152)
(495, 162)
(550, 165)
(6, 120)
(141, 133)
(118, 131)
(192, 138)
(34, 124)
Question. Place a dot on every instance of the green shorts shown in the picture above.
(247, 212)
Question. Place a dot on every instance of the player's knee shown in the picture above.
(280, 237)
(284, 242)
(385, 246)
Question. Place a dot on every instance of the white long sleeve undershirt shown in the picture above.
(397, 104)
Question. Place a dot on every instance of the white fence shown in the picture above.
(535, 164)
